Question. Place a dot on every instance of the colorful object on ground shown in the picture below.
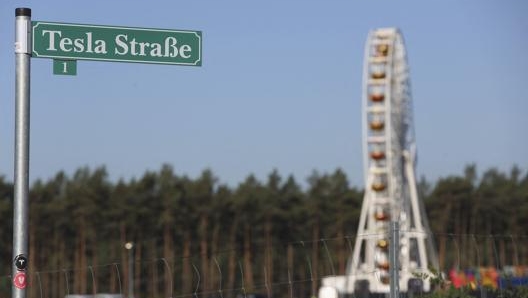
(489, 277)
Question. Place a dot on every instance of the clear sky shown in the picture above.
(280, 87)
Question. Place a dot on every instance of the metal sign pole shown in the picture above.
(20, 205)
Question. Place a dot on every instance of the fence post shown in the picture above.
(394, 252)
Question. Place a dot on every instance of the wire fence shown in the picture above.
(289, 270)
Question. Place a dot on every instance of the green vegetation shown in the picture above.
(272, 236)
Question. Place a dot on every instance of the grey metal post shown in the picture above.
(129, 246)
(394, 252)
(20, 205)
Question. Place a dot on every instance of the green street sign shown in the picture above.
(65, 67)
(110, 43)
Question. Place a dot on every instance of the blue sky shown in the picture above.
(280, 87)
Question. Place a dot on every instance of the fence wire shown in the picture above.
(290, 270)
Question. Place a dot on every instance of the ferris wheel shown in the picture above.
(389, 173)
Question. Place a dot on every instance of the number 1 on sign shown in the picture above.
(65, 67)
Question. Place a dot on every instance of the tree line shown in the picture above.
(198, 237)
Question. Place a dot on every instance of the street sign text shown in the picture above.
(108, 43)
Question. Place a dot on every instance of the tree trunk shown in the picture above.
(464, 254)
(291, 269)
(84, 260)
(153, 271)
(76, 267)
(81, 265)
(441, 252)
(302, 288)
(341, 251)
(315, 257)
(458, 234)
(55, 281)
(232, 263)
(187, 275)
(268, 258)
(138, 248)
(443, 240)
(32, 258)
(489, 245)
(95, 261)
(112, 269)
(502, 253)
(290, 259)
(63, 279)
(473, 253)
(168, 255)
(204, 252)
(248, 268)
(213, 270)
(123, 237)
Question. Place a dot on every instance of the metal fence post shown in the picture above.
(394, 252)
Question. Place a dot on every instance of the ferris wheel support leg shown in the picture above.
(422, 232)
(361, 230)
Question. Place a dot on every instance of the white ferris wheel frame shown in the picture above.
(399, 195)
